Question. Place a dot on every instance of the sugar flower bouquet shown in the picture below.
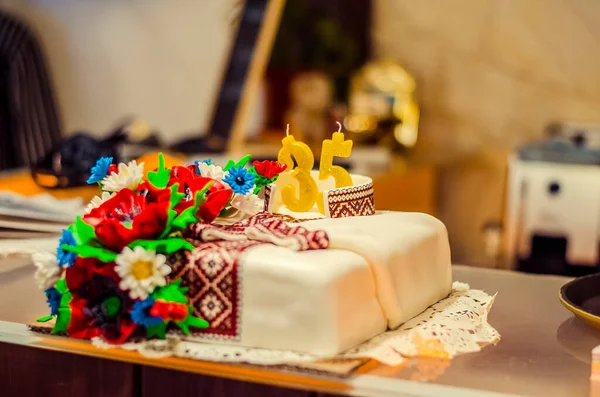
(109, 275)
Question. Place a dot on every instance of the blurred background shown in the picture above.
(483, 113)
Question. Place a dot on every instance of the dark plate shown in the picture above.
(582, 297)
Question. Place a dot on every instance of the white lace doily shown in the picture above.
(455, 325)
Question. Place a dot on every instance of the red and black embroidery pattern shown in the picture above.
(351, 201)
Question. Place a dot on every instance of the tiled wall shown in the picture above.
(491, 74)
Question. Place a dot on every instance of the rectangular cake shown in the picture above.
(378, 272)
(196, 250)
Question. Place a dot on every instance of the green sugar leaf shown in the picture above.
(63, 318)
(200, 196)
(170, 293)
(230, 163)
(88, 251)
(176, 197)
(196, 322)
(65, 299)
(242, 163)
(82, 232)
(157, 330)
(63, 314)
(160, 177)
(244, 160)
(189, 215)
(44, 319)
(112, 305)
(184, 327)
(171, 214)
(65, 294)
(260, 181)
(61, 286)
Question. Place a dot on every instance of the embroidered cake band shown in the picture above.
(355, 200)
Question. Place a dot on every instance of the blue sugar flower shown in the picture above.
(240, 180)
(66, 257)
(100, 170)
(140, 313)
(53, 299)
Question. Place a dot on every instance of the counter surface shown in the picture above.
(544, 350)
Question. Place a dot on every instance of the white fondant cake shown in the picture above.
(378, 272)
(195, 250)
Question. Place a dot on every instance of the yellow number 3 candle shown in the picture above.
(308, 190)
(334, 147)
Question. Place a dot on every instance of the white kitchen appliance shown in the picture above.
(552, 222)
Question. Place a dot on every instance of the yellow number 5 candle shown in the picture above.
(308, 190)
(334, 147)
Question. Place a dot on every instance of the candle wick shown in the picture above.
(339, 126)
(287, 130)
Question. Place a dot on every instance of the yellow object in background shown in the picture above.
(22, 182)
(407, 132)
(382, 93)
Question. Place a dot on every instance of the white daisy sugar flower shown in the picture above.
(141, 271)
(98, 200)
(249, 204)
(128, 176)
(211, 171)
(48, 272)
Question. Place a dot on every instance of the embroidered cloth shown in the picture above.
(212, 272)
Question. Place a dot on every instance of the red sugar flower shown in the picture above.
(171, 311)
(180, 174)
(127, 217)
(269, 168)
(217, 197)
(189, 183)
(98, 306)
